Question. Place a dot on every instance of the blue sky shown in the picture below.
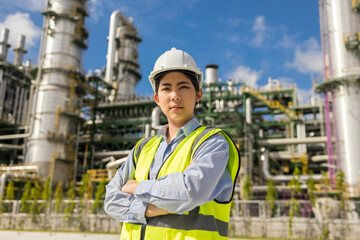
(249, 40)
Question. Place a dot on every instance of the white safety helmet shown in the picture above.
(175, 60)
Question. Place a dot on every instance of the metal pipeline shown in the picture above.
(28, 168)
(2, 183)
(284, 155)
(248, 110)
(115, 164)
(290, 141)
(114, 22)
(9, 169)
(281, 178)
(155, 117)
(320, 158)
(11, 146)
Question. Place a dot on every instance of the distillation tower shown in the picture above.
(55, 114)
(340, 32)
(122, 68)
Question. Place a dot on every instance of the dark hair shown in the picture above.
(190, 75)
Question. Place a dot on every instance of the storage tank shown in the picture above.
(211, 74)
(55, 109)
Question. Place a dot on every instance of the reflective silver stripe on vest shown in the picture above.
(198, 138)
(193, 221)
(140, 148)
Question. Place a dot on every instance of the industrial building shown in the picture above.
(55, 116)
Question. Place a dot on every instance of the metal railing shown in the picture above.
(239, 209)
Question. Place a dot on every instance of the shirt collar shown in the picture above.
(187, 129)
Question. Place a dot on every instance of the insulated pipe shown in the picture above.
(320, 158)
(147, 130)
(290, 141)
(111, 153)
(284, 155)
(248, 110)
(114, 22)
(21, 168)
(11, 146)
(155, 117)
(281, 178)
(115, 164)
(2, 183)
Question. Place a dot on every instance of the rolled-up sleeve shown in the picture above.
(204, 180)
(122, 206)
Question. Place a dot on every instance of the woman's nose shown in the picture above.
(175, 97)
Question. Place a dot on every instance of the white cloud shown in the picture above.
(260, 30)
(285, 42)
(246, 75)
(308, 57)
(95, 9)
(21, 24)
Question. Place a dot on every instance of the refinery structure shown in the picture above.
(58, 121)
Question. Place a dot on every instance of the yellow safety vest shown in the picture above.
(208, 221)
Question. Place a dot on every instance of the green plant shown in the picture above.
(340, 185)
(83, 190)
(70, 206)
(100, 194)
(10, 195)
(46, 195)
(325, 181)
(311, 187)
(271, 195)
(25, 197)
(294, 206)
(247, 194)
(247, 188)
(35, 194)
(58, 197)
(325, 184)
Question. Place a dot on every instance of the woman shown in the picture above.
(179, 183)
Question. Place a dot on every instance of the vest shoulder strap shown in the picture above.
(198, 138)
(139, 147)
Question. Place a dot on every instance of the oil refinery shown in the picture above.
(60, 122)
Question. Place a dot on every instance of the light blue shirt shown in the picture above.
(206, 179)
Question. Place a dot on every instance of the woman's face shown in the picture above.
(177, 97)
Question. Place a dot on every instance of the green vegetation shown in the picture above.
(294, 206)
(10, 195)
(25, 197)
(100, 194)
(70, 205)
(58, 197)
(247, 188)
(271, 195)
(34, 204)
(311, 188)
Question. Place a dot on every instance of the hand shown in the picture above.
(130, 187)
(153, 211)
